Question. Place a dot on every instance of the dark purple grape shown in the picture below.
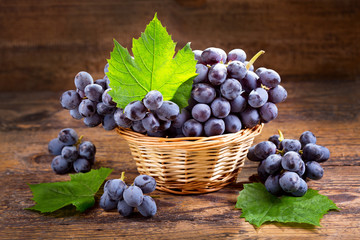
(124, 209)
(201, 112)
(307, 137)
(257, 97)
(291, 161)
(137, 126)
(108, 122)
(288, 145)
(275, 139)
(289, 182)
(270, 78)
(70, 100)
(115, 188)
(268, 112)
(250, 81)
(181, 118)
(82, 79)
(151, 123)
(264, 149)
(55, 146)
(107, 99)
(220, 107)
(135, 111)
(103, 109)
(133, 196)
(87, 150)
(312, 152)
(87, 108)
(213, 55)
(68, 136)
(272, 185)
(301, 190)
(146, 183)
(60, 166)
(236, 69)
(107, 203)
(153, 100)
(93, 120)
(82, 165)
(230, 89)
(197, 55)
(237, 55)
(168, 111)
(260, 70)
(238, 104)
(94, 92)
(147, 207)
(69, 153)
(75, 114)
(272, 164)
(192, 128)
(314, 171)
(121, 120)
(251, 155)
(203, 93)
(250, 117)
(214, 126)
(202, 71)
(232, 123)
(217, 74)
(277, 94)
(102, 83)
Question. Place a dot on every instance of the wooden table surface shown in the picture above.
(29, 120)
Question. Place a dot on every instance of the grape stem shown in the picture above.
(79, 141)
(253, 59)
(281, 135)
(122, 178)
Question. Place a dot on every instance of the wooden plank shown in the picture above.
(45, 43)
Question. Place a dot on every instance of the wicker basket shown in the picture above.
(191, 165)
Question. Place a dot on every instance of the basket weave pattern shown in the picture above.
(190, 165)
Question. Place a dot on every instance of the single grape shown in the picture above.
(268, 112)
(115, 188)
(290, 145)
(94, 92)
(202, 71)
(55, 146)
(275, 139)
(102, 83)
(181, 118)
(230, 89)
(325, 154)
(301, 190)
(263, 175)
(124, 209)
(192, 128)
(93, 121)
(108, 122)
(272, 164)
(217, 74)
(60, 166)
(106, 68)
(302, 169)
(250, 117)
(260, 70)
(153, 100)
(201, 112)
(146, 183)
(70, 100)
(106, 203)
(214, 126)
(147, 207)
(238, 104)
(203, 93)
(69, 153)
(82, 165)
(133, 196)
(120, 118)
(151, 123)
(135, 111)
(87, 108)
(307, 137)
(197, 55)
(289, 182)
(264, 149)
(314, 171)
(87, 150)
(251, 68)
(164, 125)
(168, 111)
(291, 161)
(250, 81)
(103, 109)
(272, 185)
(236, 55)
(137, 126)
(107, 99)
(236, 69)
(68, 136)
(232, 123)
(213, 55)
(82, 79)
(312, 152)
(251, 155)
(75, 114)
(257, 97)
(269, 78)
(277, 94)
(220, 107)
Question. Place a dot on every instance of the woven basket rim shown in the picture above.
(190, 142)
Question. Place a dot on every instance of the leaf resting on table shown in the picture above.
(79, 191)
(259, 206)
(153, 67)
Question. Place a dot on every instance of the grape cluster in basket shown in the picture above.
(228, 95)
(126, 198)
(91, 101)
(285, 164)
(71, 152)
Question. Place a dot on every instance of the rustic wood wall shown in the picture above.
(44, 43)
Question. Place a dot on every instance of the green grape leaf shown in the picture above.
(79, 191)
(153, 67)
(259, 206)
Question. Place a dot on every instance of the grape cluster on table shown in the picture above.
(126, 198)
(286, 164)
(227, 97)
(70, 153)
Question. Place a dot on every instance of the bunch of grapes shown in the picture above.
(91, 101)
(228, 95)
(125, 198)
(285, 164)
(71, 153)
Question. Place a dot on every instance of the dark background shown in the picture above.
(43, 44)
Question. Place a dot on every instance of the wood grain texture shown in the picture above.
(43, 44)
(29, 120)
